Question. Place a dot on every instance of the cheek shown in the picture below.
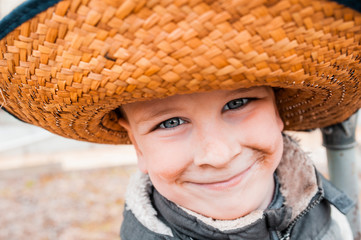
(165, 161)
(262, 132)
(273, 158)
(261, 126)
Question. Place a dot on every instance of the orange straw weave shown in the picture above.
(69, 67)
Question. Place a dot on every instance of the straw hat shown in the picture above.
(73, 63)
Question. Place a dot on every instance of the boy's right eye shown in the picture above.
(171, 123)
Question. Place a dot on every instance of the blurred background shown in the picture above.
(57, 188)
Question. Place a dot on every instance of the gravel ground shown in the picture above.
(62, 205)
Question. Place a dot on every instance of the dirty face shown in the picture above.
(213, 153)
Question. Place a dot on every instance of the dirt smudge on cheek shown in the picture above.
(265, 161)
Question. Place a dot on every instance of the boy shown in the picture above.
(206, 151)
(203, 89)
(211, 158)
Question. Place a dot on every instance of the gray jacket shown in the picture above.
(304, 212)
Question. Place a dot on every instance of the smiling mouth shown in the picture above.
(228, 183)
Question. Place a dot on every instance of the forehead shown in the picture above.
(178, 102)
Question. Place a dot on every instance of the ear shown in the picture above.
(278, 117)
(141, 160)
(280, 122)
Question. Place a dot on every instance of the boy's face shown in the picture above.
(214, 153)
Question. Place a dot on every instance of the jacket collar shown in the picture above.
(276, 217)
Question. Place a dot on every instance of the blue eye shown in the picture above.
(171, 123)
(236, 103)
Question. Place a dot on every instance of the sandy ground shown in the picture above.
(38, 204)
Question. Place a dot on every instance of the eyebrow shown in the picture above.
(154, 114)
(241, 90)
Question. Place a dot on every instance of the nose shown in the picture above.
(216, 146)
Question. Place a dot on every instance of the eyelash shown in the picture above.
(242, 101)
(180, 121)
(162, 125)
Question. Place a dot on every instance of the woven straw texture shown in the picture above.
(69, 67)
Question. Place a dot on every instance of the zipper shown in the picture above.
(287, 235)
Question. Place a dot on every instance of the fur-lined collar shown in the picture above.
(297, 178)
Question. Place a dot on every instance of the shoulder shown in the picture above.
(140, 218)
(323, 222)
(338, 227)
(340, 204)
(133, 229)
(340, 221)
(326, 220)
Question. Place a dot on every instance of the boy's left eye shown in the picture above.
(171, 123)
(236, 103)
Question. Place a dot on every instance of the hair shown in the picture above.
(121, 113)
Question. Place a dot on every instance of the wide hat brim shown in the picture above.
(69, 68)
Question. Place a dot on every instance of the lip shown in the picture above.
(228, 183)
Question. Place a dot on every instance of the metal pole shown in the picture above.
(339, 140)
